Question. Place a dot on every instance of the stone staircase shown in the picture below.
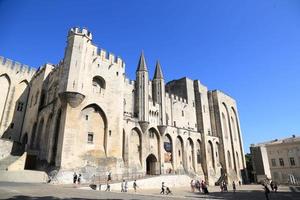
(7, 161)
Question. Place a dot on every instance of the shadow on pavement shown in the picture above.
(19, 197)
(246, 195)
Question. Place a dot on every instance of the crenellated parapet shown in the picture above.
(16, 67)
(110, 58)
(80, 31)
(176, 98)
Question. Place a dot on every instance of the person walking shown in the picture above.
(79, 179)
(134, 185)
(162, 188)
(272, 185)
(126, 186)
(233, 187)
(123, 186)
(74, 178)
(267, 191)
(107, 187)
(109, 176)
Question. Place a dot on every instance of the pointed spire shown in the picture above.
(142, 63)
(158, 73)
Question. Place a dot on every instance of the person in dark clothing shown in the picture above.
(79, 179)
(267, 191)
(233, 186)
(162, 188)
(134, 185)
(204, 188)
(74, 178)
(168, 191)
(272, 185)
(275, 186)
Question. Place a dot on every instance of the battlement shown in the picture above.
(80, 31)
(110, 58)
(129, 82)
(17, 67)
(176, 98)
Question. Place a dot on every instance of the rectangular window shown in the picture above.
(292, 161)
(281, 162)
(182, 113)
(90, 137)
(273, 161)
(175, 123)
(86, 117)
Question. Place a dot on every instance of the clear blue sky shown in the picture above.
(250, 49)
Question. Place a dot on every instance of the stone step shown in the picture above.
(7, 161)
(25, 176)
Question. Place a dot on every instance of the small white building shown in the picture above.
(278, 160)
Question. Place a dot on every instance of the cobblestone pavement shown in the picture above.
(53, 192)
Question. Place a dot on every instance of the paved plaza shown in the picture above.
(49, 192)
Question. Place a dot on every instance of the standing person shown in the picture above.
(225, 187)
(204, 188)
(272, 185)
(233, 187)
(221, 186)
(162, 188)
(123, 186)
(275, 186)
(134, 185)
(267, 191)
(79, 179)
(192, 185)
(126, 186)
(74, 178)
(109, 176)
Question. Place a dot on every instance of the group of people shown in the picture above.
(124, 186)
(164, 189)
(76, 178)
(274, 188)
(200, 186)
(224, 188)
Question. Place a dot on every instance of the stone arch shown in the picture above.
(5, 83)
(39, 134)
(154, 141)
(180, 152)
(94, 127)
(48, 131)
(55, 139)
(229, 160)
(168, 148)
(211, 153)
(152, 165)
(99, 84)
(224, 125)
(230, 134)
(135, 148)
(198, 150)
(190, 154)
(32, 136)
(234, 132)
(238, 134)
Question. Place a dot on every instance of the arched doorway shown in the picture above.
(151, 165)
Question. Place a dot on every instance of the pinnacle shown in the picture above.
(158, 73)
(142, 63)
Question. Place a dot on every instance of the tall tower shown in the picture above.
(78, 54)
(142, 93)
(158, 93)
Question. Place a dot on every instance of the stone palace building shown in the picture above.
(84, 115)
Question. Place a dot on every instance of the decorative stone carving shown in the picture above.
(144, 125)
(74, 99)
(161, 129)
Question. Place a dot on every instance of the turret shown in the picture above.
(77, 57)
(158, 93)
(142, 93)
